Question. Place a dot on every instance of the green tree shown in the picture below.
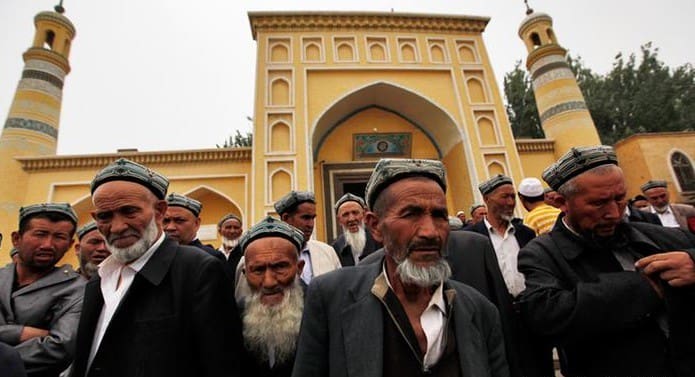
(238, 140)
(521, 104)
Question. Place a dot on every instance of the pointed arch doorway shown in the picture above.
(339, 179)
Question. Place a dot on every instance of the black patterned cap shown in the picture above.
(126, 170)
(177, 200)
(390, 170)
(59, 208)
(272, 227)
(491, 184)
(349, 198)
(292, 200)
(228, 217)
(476, 206)
(90, 226)
(653, 184)
(577, 161)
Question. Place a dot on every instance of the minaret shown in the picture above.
(31, 128)
(564, 115)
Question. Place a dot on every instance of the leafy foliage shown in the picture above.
(635, 96)
(238, 140)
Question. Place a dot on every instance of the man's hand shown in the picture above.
(676, 268)
(29, 332)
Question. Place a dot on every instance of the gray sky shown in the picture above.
(173, 74)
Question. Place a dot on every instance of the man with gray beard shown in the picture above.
(401, 317)
(355, 243)
(272, 312)
(149, 310)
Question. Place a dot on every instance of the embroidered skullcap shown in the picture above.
(531, 187)
(272, 227)
(390, 170)
(228, 217)
(177, 200)
(576, 161)
(90, 226)
(64, 209)
(491, 184)
(476, 206)
(653, 184)
(292, 200)
(126, 170)
(459, 213)
(349, 198)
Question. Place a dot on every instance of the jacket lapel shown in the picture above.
(6, 278)
(363, 332)
(57, 276)
(469, 341)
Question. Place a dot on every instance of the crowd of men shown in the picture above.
(405, 290)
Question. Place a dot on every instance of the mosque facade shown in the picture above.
(335, 91)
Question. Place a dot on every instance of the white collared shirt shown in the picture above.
(667, 218)
(433, 321)
(111, 271)
(308, 271)
(507, 251)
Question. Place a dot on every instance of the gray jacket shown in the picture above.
(53, 303)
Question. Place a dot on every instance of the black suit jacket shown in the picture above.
(11, 364)
(522, 233)
(643, 216)
(344, 250)
(178, 318)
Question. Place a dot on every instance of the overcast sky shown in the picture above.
(172, 74)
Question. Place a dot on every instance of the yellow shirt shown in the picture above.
(542, 218)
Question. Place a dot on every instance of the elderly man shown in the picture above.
(615, 296)
(230, 228)
(478, 213)
(90, 249)
(403, 316)
(150, 310)
(355, 242)
(540, 217)
(40, 303)
(672, 215)
(182, 221)
(272, 312)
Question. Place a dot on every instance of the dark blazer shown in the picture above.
(208, 249)
(342, 333)
(605, 319)
(473, 262)
(178, 318)
(643, 216)
(11, 364)
(522, 233)
(344, 250)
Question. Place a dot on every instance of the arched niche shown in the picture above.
(280, 184)
(437, 53)
(408, 52)
(345, 52)
(495, 168)
(486, 129)
(280, 135)
(312, 52)
(476, 90)
(279, 92)
(466, 54)
(377, 51)
(279, 53)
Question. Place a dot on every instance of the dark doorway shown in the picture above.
(339, 179)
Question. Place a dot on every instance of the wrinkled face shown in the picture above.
(657, 196)
(415, 223)
(181, 224)
(43, 243)
(123, 211)
(479, 214)
(303, 218)
(598, 205)
(271, 266)
(501, 202)
(350, 216)
(231, 229)
(92, 248)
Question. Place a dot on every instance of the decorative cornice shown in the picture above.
(58, 18)
(540, 52)
(145, 158)
(37, 53)
(534, 145)
(375, 21)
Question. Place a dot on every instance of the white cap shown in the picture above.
(530, 187)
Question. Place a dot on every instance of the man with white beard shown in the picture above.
(272, 313)
(149, 310)
(355, 242)
(672, 215)
(230, 228)
(403, 316)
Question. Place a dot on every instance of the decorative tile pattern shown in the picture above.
(555, 74)
(41, 65)
(32, 125)
(41, 75)
(561, 108)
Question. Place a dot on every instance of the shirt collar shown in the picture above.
(437, 299)
(510, 228)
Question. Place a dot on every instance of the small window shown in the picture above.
(48, 42)
(535, 39)
(684, 171)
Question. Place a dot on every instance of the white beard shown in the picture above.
(273, 327)
(230, 244)
(128, 254)
(356, 240)
(425, 277)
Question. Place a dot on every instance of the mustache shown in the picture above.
(430, 243)
(267, 291)
(127, 233)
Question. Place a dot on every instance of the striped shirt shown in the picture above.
(542, 218)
